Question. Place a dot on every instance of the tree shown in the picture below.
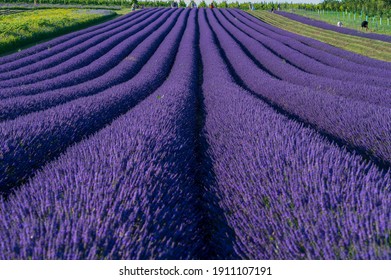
(202, 4)
(223, 4)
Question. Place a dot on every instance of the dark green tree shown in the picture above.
(202, 4)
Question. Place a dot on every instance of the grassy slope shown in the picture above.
(349, 22)
(368, 47)
(124, 11)
(28, 28)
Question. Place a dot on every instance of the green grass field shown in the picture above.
(349, 20)
(368, 47)
(20, 30)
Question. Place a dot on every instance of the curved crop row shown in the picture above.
(95, 69)
(358, 88)
(362, 46)
(328, 26)
(99, 57)
(75, 50)
(308, 59)
(287, 192)
(328, 54)
(323, 47)
(149, 154)
(365, 126)
(30, 141)
(14, 107)
(207, 134)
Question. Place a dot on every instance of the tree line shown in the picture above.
(367, 7)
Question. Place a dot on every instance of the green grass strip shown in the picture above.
(368, 47)
(348, 20)
(22, 30)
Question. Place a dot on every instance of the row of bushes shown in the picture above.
(220, 4)
(370, 7)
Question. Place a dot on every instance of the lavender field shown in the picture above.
(193, 134)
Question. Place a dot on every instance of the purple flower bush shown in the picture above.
(321, 48)
(193, 134)
(117, 47)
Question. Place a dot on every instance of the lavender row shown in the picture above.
(40, 66)
(134, 184)
(360, 89)
(39, 52)
(286, 192)
(364, 126)
(325, 25)
(325, 53)
(285, 50)
(97, 68)
(15, 107)
(31, 141)
(308, 45)
(95, 61)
